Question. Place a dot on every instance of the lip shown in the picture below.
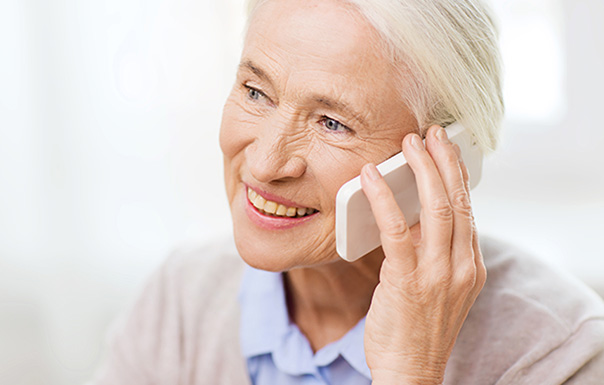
(273, 223)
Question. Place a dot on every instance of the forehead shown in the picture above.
(317, 38)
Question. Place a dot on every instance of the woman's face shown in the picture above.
(315, 99)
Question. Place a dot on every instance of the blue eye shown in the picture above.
(257, 97)
(334, 125)
(253, 93)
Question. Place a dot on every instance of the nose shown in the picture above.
(275, 153)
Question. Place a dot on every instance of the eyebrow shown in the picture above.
(248, 64)
(337, 105)
(319, 99)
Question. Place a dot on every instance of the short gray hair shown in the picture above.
(448, 55)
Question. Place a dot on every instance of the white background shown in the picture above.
(109, 116)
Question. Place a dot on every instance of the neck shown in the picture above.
(326, 301)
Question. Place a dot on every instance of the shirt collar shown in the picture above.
(266, 329)
(264, 318)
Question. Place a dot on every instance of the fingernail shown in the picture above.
(441, 134)
(372, 172)
(416, 142)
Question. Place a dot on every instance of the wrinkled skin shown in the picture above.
(315, 102)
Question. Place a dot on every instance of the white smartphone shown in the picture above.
(356, 230)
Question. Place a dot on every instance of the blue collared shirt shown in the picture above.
(276, 350)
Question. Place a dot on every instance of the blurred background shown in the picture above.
(109, 117)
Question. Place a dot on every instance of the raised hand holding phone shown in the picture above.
(356, 230)
(426, 288)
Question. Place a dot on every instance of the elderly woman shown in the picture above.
(325, 90)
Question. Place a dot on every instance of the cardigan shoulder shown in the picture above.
(530, 324)
(184, 326)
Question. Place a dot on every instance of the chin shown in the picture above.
(276, 255)
(261, 255)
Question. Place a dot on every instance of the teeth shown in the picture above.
(281, 210)
(251, 194)
(259, 202)
(275, 209)
(270, 207)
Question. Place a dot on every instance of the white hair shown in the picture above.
(449, 61)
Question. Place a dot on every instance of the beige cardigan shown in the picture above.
(530, 325)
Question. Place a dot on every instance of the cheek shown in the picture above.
(235, 135)
(232, 130)
(332, 167)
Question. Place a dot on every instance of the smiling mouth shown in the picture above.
(275, 209)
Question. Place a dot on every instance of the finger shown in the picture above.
(481, 271)
(464, 171)
(478, 259)
(395, 235)
(449, 169)
(436, 214)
